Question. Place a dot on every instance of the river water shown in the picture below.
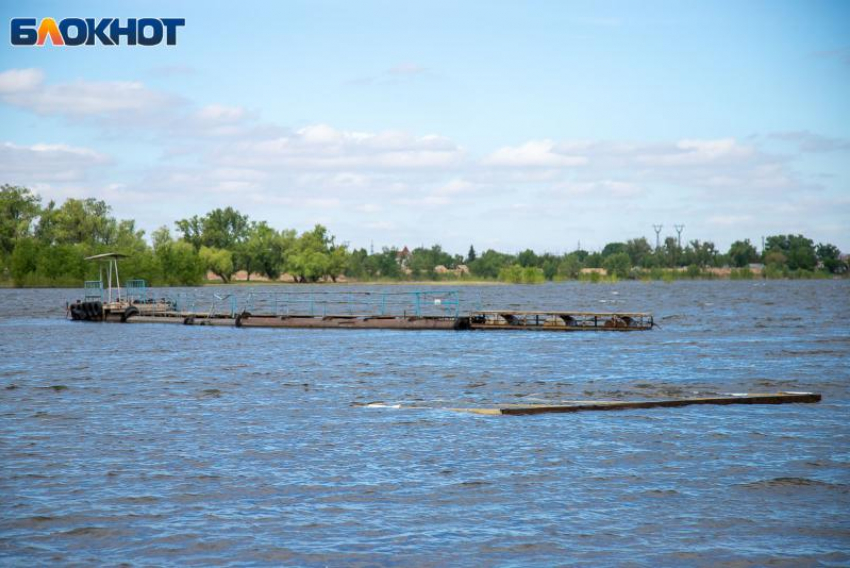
(168, 444)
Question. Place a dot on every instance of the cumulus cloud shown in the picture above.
(20, 81)
(696, 153)
(26, 89)
(813, 143)
(321, 147)
(43, 163)
(533, 154)
(214, 155)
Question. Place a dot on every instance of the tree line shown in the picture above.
(45, 245)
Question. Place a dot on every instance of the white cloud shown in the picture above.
(25, 88)
(456, 187)
(213, 155)
(809, 142)
(697, 152)
(535, 154)
(20, 81)
(44, 163)
(220, 114)
(322, 147)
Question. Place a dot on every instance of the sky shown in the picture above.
(506, 125)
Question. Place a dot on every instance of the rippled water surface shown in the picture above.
(165, 444)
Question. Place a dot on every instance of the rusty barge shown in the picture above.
(105, 300)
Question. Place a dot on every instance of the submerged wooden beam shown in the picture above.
(580, 406)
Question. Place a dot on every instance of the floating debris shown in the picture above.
(580, 406)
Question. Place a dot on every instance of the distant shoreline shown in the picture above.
(7, 285)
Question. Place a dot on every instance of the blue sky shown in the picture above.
(498, 124)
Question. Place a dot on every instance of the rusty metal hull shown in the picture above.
(300, 322)
(484, 321)
(350, 322)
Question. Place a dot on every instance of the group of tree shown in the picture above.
(48, 244)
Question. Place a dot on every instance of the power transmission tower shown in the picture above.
(679, 229)
(657, 235)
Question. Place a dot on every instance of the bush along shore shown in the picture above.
(46, 245)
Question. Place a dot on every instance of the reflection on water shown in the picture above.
(157, 444)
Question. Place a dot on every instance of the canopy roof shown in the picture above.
(107, 255)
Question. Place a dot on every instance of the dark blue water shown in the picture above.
(162, 445)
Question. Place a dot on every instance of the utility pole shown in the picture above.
(679, 229)
(657, 235)
(372, 247)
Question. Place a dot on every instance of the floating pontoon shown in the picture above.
(106, 301)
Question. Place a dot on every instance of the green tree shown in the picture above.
(471, 256)
(490, 263)
(78, 221)
(337, 261)
(225, 228)
(593, 260)
(799, 252)
(618, 264)
(24, 261)
(264, 250)
(193, 230)
(830, 257)
(549, 264)
(638, 250)
(179, 262)
(218, 261)
(511, 274)
(613, 248)
(384, 264)
(18, 208)
(423, 261)
(310, 259)
(62, 264)
(220, 228)
(517, 274)
(528, 258)
(671, 253)
(570, 266)
(742, 253)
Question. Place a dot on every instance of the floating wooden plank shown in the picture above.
(562, 313)
(560, 320)
(581, 406)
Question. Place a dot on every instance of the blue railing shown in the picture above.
(418, 303)
(93, 290)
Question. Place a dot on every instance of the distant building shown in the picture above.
(600, 271)
(402, 256)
